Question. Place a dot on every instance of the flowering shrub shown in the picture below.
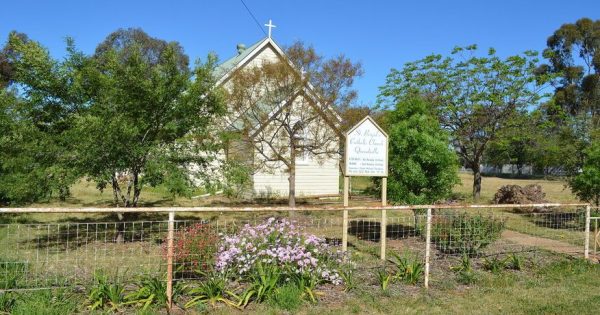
(195, 246)
(280, 245)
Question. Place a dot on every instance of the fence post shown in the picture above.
(427, 247)
(595, 236)
(170, 236)
(383, 227)
(345, 218)
(586, 251)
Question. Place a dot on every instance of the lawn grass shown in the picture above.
(85, 193)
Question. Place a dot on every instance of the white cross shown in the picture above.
(270, 26)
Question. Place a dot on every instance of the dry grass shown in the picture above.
(556, 190)
(85, 194)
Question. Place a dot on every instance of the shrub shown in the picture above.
(465, 234)
(194, 247)
(423, 166)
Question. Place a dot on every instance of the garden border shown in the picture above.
(173, 210)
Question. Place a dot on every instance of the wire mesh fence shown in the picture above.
(68, 252)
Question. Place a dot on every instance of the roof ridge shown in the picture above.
(232, 62)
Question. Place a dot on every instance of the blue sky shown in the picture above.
(380, 34)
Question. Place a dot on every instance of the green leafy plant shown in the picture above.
(494, 265)
(105, 294)
(308, 285)
(465, 234)
(349, 279)
(211, 290)
(514, 262)
(464, 271)
(409, 269)
(264, 280)
(384, 278)
(153, 291)
(287, 297)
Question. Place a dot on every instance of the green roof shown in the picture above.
(229, 64)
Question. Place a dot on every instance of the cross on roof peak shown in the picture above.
(270, 26)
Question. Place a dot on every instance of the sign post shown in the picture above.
(366, 154)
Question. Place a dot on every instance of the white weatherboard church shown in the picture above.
(314, 177)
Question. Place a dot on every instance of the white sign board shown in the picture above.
(366, 150)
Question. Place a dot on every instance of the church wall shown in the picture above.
(312, 178)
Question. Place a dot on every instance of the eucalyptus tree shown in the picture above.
(573, 53)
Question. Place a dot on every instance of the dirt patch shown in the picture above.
(544, 243)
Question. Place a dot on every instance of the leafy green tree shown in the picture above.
(35, 106)
(586, 184)
(131, 115)
(514, 144)
(557, 146)
(422, 165)
(7, 69)
(475, 96)
(147, 121)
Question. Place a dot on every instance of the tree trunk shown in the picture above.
(476, 167)
(127, 202)
(292, 182)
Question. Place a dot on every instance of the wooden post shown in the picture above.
(345, 218)
(170, 236)
(595, 236)
(383, 236)
(427, 246)
(586, 250)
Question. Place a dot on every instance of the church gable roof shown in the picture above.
(226, 69)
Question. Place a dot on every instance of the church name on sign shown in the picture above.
(366, 150)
